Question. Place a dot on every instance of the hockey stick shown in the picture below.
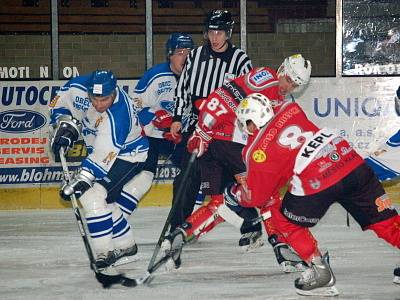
(107, 280)
(153, 265)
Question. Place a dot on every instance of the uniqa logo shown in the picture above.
(21, 120)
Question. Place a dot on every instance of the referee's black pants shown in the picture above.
(190, 187)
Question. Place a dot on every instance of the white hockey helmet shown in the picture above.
(255, 107)
(297, 68)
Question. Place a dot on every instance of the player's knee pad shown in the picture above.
(121, 232)
(134, 191)
(98, 218)
(94, 199)
(299, 238)
(389, 230)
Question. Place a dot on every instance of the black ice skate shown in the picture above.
(172, 247)
(286, 257)
(396, 274)
(104, 260)
(318, 280)
(251, 241)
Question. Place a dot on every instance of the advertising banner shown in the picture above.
(361, 109)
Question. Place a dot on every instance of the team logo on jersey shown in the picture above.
(110, 156)
(314, 184)
(167, 105)
(53, 101)
(259, 156)
(334, 156)
(98, 122)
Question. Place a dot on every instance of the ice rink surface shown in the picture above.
(42, 257)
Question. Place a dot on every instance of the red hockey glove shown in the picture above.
(162, 120)
(199, 141)
(168, 136)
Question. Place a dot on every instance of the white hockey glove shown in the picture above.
(82, 181)
(66, 132)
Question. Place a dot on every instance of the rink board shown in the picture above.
(361, 109)
(159, 195)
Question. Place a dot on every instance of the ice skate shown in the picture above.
(250, 241)
(105, 260)
(318, 280)
(286, 257)
(172, 247)
(125, 256)
(396, 274)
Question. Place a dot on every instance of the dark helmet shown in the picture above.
(178, 40)
(219, 20)
(102, 83)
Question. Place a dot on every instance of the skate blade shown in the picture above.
(331, 291)
(125, 260)
(288, 267)
(254, 246)
(396, 279)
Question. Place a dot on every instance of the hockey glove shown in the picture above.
(168, 136)
(162, 120)
(82, 181)
(66, 133)
(199, 141)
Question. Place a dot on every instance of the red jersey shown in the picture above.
(293, 148)
(217, 112)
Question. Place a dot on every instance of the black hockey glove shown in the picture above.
(82, 181)
(66, 133)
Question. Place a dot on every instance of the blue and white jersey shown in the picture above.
(385, 162)
(108, 135)
(155, 91)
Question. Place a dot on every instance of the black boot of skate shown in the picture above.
(396, 274)
(286, 257)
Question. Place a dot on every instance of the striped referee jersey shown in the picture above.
(206, 70)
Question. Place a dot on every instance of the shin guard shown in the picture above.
(205, 218)
(299, 238)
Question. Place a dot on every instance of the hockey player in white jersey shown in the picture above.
(154, 93)
(95, 107)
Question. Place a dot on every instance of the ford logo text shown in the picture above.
(21, 120)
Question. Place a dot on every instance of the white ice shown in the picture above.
(42, 257)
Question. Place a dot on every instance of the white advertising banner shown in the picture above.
(361, 109)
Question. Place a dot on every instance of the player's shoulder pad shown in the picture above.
(152, 74)
(261, 78)
(80, 82)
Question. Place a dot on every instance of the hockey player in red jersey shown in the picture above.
(321, 168)
(219, 143)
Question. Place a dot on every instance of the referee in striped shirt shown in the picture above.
(207, 68)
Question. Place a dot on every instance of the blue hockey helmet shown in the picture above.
(102, 83)
(219, 20)
(178, 40)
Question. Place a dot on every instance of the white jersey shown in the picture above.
(108, 135)
(156, 91)
(385, 161)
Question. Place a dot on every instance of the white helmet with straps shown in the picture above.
(297, 68)
(255, 107)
